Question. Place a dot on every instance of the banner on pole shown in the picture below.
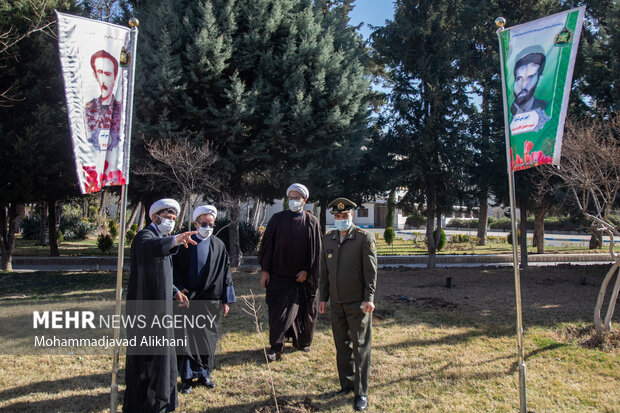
(95, 66)
(539, 57)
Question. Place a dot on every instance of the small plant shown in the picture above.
(105, 243)
(129, 236)
(112, 229)
(442, 238)
(389, 235)
(509, 236)
(59, 236)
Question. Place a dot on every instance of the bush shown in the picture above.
(59, 236)
(30, 227)
(509, 236)
(415, 219)
(389, 235)
(461, 238)
(463, 223)
(129, 236)
(105, 243)
(113, 229)
(73, 227)
(502, 223)
(442, 238)
(249, 237)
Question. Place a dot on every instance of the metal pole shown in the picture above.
(121, 242)
(500, 22)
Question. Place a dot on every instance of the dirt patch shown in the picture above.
(587, 337)
(290, 406)
(427, 303)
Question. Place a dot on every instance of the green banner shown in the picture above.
(538, 60)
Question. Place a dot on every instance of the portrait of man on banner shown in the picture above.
(538, 65)
(103, 113)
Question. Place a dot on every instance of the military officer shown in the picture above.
(348, 279)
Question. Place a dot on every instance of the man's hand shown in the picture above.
(186, 238)
(225, 309)
(182, 299)
(368, 307)
(322, 307)
(301, 276)
(264, 279)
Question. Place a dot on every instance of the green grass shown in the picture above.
(426, 356)
(67, 248)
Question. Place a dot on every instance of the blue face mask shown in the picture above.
(343, 224)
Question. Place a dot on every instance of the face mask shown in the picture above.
(165, 226)
(205, 232)
(343, 224)
(294, 205)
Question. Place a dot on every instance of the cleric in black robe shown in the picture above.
(290, 257)
(151, 378)
(202, 272)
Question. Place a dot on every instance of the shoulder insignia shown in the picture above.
(373, 246)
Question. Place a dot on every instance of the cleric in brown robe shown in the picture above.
(151, 379)
(290, 256)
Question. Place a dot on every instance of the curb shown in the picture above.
(252, 261)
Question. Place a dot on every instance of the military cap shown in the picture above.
(531, 54)
(341, 205)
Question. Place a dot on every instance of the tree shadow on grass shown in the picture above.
(69, 403)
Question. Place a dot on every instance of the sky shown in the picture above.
(373, 12)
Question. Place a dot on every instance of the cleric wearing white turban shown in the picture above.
(151, 382)
(202, 271)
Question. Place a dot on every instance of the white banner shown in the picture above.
(95, 66)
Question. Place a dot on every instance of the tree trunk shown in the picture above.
(256, 213)
(539, 230)
(264, 214)
(10, 218)
(523, 238)
(142, 218)
(51, 207)
(101, 214)
(430, 239)
(323, 217)
(483, 219)
(132, 218)
(181, 217)
(43, 236)
(233, 234)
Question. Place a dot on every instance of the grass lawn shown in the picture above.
(434, 349)
(88, 247)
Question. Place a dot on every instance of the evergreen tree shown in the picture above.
(430, 103)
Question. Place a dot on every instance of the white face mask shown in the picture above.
(343, 224)
(294, 205)
(205, 232)
(165, 226)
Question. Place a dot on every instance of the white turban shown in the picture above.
(204, 209)
(164, 204)
(299, 188)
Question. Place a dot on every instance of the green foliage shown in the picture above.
(442, 238)
(59, 236)
(30, 227)
(134, 228)
(389, 235)
(509, 236)
(105, 243)
(462, 238)
(463, 223)
(113, 228)
(129, 236)
(391, 209)
(73, 227)
(249, 237)
(416, 219)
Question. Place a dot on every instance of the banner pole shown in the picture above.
(500, 22)
(133, 23)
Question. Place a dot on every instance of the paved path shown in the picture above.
(30, 264)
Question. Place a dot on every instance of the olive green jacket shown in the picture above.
(348, 270)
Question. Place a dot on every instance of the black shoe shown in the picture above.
(208, 383)
(361, 403)
(273, 356)
(344, 391)
(305, 349)
(186, 387)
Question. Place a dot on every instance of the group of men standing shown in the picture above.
(301, 270)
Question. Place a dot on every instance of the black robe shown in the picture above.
(291, 243)
(207, 290)
(150, 379)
